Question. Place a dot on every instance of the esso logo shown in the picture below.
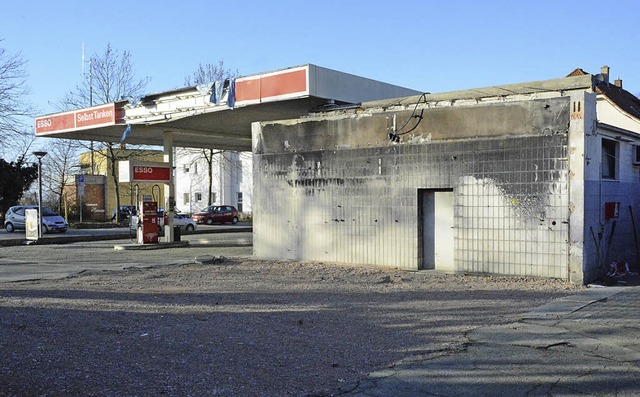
(143, 170)
(44, 123)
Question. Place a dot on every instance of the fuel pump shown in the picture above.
(162, 220)
(148, 221)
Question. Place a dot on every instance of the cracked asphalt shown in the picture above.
(425, 334)
(587, 345)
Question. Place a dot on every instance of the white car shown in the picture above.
(180, 220)
(15, 218)
(184, 222)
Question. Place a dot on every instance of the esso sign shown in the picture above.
(143, 170)
(151, 173)
(44, 123)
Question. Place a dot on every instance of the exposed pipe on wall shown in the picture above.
(635, 238)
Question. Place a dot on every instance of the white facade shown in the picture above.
(231, 179)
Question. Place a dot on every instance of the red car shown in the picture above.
(217, 214)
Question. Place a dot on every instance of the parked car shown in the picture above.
(217, 214)
(126, 211)
(184, 222)
(15, 218)
(181, 220)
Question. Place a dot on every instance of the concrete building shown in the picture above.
(535, 179)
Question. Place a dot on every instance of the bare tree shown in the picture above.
(213, 160)
(208, 73)
(204, 74)
(208, 155)
(58, 165)
(14, 110)
(111, 78)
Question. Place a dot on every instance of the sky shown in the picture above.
(430, 46)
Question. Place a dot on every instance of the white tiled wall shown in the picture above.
(361, 205)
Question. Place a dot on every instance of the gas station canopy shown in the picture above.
(218, 117)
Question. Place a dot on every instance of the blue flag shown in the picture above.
(231, 100)
(127, 132)
(213, 98)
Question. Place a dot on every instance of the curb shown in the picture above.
(120, 236)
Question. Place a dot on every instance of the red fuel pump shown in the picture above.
(148, 229)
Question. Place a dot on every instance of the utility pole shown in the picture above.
(90, 102)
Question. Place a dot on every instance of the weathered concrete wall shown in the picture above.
(335, 189)
(582, 123)
(535, 117)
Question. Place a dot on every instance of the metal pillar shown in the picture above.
(169, 189)
(39, 155)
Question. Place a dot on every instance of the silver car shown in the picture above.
(184, 222)
(15, 218)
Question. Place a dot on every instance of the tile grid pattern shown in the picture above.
(510, 203)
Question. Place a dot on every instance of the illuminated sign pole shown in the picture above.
(40, 155)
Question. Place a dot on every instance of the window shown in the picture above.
(239, 201)
(609, 159)
(198, 197)
(636, 155)
(186, 198)
(186, 168)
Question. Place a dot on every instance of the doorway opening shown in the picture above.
(436, 229)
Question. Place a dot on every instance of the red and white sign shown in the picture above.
(140, 171)
(78, 119)
(151, 173)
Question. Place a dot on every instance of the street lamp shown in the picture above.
(39, 155)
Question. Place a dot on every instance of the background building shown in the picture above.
(225, 175)
(99, 199)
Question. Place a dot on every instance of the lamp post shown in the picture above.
(39, 155)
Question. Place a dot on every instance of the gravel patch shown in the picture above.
(241, 327)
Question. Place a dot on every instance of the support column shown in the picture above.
(169, 189)
(583, 258)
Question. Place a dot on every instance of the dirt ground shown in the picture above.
(241, 327)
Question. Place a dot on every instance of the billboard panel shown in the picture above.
(96, 116)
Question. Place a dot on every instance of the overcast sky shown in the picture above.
(433, 46)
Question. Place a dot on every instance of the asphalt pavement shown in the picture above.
(582, 345)
(115, 233)
(58, 256)
(587, 344)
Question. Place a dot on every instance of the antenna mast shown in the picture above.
(90, 102)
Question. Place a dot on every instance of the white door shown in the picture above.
(444, 233)
(437, 230)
